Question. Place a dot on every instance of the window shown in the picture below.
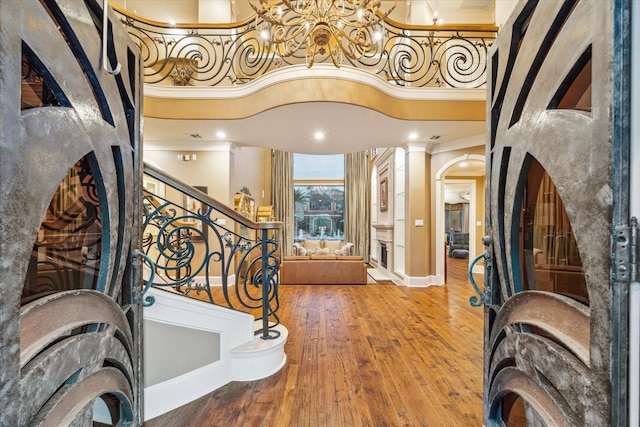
(318, 194)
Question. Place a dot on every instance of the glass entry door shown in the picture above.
(69, 216)
(555, 334)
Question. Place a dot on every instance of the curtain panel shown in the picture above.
(282, 197)
(357, 205)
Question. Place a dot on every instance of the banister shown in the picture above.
(181, 186)
(230, 54)
(189, 250)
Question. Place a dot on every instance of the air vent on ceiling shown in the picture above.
(435, 137)
(195, 136)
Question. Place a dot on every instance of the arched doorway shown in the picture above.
(459, 173)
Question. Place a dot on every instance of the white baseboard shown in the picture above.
(423, 281)
(216, 280)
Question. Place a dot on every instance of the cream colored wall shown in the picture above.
(182, 11)
(223, 172)
(437, 162)
(503, 10)
(251, 168)
(418, 192)
(211, 169)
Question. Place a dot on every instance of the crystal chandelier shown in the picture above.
(324, 27)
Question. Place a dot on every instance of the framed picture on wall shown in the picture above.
(384, 195)
(193, 206)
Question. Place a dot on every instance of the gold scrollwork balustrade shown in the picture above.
(452, 56)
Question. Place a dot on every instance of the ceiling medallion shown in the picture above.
(324, 27)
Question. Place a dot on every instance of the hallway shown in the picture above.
(374, 355)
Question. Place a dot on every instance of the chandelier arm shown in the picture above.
(293, 36)
(347, 24)
(351, 40)
(302, 11)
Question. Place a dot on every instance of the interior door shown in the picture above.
(69, 195)
(555, 328)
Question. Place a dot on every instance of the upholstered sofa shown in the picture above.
(459, 245)
(322, 247)
(323, 263)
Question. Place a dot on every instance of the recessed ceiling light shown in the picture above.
(464, 164)
(319, 136)
(413, 136)
(221, 134)
(172, 22)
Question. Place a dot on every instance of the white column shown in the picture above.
(503, 10)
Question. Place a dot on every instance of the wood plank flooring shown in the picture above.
(374, 355)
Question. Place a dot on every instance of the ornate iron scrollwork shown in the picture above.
(193, 253)
(234, 54)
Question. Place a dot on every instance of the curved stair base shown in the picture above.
(259, 358)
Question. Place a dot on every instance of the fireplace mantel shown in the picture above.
(382, 226)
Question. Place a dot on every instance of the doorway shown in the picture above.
(463, 176)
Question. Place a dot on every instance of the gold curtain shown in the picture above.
(282, 197)
(552, 232)
(357, 202)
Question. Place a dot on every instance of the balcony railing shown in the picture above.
(232, 54)
(198, 247)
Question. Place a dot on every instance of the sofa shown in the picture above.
(318, 247)
(459, 245)
(319, 262)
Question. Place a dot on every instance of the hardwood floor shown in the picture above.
(374, 355)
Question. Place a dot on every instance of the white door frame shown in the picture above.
(440, 181)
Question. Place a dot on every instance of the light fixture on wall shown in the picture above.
(187, 157)
(324, 27)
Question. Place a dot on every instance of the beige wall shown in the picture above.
(251, 168)
(211, 169)
(183, 11)
(223, 172)
(418, 200)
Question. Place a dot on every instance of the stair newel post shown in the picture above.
(265, 284)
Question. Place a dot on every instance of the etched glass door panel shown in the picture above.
(549, 317)
(69, 216)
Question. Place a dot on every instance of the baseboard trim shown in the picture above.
(423, 281)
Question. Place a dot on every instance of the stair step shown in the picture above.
(259, 358)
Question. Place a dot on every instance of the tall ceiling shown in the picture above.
(347, 128)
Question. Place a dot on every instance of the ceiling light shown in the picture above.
(325, 28)
(464, 164)
(318, 136)
(221, 134)
(413, 136)
(172, 22)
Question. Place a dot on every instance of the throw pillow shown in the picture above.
(302, 251)
(333, 245)
(322, 251)
(311, 246)
(346, 249)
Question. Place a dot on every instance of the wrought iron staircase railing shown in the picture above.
(234, 54)
(209, 252)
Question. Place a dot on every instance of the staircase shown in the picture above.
(210, 298)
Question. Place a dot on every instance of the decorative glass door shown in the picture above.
(555, 333)
(69, 215)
